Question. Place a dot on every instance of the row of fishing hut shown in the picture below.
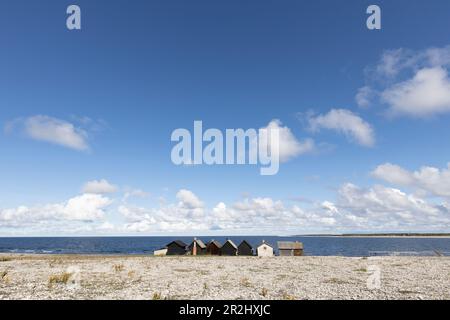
(229, 248)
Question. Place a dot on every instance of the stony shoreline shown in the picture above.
(147, 277)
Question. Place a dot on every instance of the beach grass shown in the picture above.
(62, 278)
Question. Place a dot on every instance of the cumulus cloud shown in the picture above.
(377, 208)
(52, 130)
(85, 207)
(385, 208)
(427, 93)
(363, 209)
(186, 215)
(99, 187)
(257, 214)
(345, 122)
(190, 214)
(411, 83)
(289, 146)
(188, 199)
(426, 180)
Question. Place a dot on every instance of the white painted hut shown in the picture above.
(264, 250)
(160, 252)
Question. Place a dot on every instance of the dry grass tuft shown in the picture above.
(119, 267)
(335, 281)
(287, 296)
(5, 259)
(3, 274)
(183, 270)
(62, 278)
(264, 292)
(156, 296)
(245, 282)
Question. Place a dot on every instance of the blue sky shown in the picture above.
(138, 70)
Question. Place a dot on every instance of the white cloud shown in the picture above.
(364, 96)
(392, 62)
(264, 215)
(375, 208)
(134, 193)
(289, 147)
(138, 193)
(411, 83)
(85, 207)
(427, 93)
(106, 226)
(99, 187)
(187, 215)
(385, 208)
(56, 131)
(346, 122)
(427, 180)
(188, 199)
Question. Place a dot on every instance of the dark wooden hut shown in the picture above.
(245, 249)
(197, 247)
(289, 248)
(176, 248)
(229, 248)
(213, 248)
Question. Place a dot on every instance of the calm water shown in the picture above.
(319, 246)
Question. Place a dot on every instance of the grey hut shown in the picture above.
(197, 247)
(289, 248)
(176, 248)
(245, 249)
(229, 248)
(213, 248)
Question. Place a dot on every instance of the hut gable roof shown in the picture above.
(265, 243)
(289, 245)
(216, 243)
(200, 243)
(178, 243)
(231, 243)
(245, 243)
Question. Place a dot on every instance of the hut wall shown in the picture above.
(286, 252)
(228, 250)
(290, 252)
(265, 251)
(213, 250)
(245, 250)
(175, 250)
(200, 251)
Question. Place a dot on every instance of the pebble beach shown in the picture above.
(289, 278)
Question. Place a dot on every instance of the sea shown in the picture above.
(313, 245)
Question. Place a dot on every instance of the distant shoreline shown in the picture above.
(381, 235)
(346, 235)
